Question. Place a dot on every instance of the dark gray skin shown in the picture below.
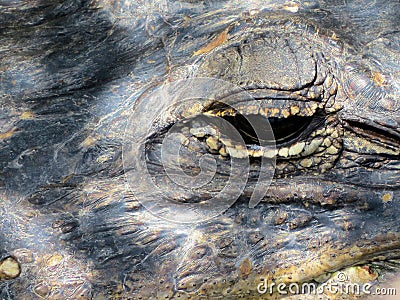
(71, 73)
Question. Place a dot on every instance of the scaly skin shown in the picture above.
(326, 76)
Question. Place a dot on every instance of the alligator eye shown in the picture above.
(284, 129)
(290, 128)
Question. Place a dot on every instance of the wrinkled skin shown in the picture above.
(70, 75)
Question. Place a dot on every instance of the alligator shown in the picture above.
(113, 114)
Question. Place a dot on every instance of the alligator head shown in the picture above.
(331, 203)
(299, 101)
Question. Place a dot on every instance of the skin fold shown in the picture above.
(76, 81)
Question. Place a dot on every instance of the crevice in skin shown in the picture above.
(239, 52)
(384, 155)
(371, 131)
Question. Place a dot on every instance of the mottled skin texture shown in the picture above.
(70, 75)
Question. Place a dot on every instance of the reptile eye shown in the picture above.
(290, 128)
(284, 129)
